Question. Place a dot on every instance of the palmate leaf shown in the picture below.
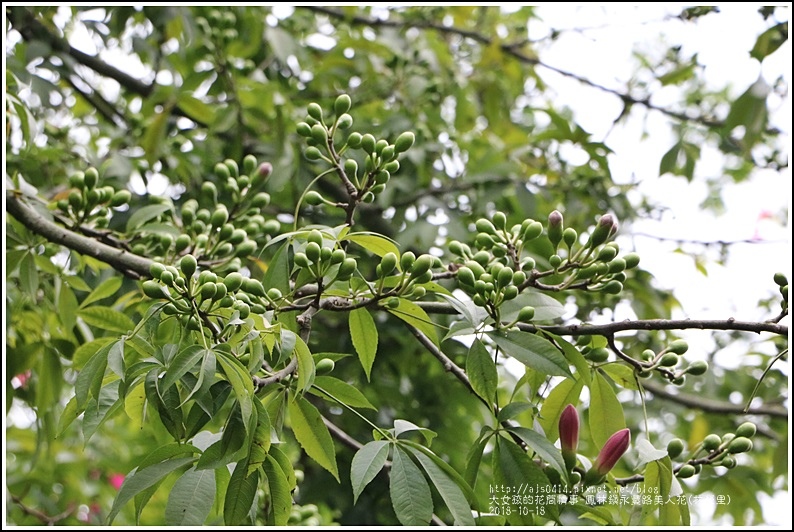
(448, 488)
(410, 494)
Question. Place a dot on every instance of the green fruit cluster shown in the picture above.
(321, 260)
(89, 204)
(714, 450)
(370, 172)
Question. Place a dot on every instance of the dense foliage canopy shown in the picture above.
(355, 265)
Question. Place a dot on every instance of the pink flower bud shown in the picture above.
(116, 480)
(569, 435)
(613, 450)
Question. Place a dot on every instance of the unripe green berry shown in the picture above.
(746, 430)
(686, 471)
(220, 291)
(380, 146)
(271, 227)
(465, 276)
(533, 231)
(679, 381)
(647, 355)
(391, 167)
(208, 291)
(351, 168)
(505, 277)
(319, 133)
(77, 180)
(249, 164)
(313, 252)
(237, 236)
(122, 197)
(182, 242)
(274, 294)
(75, 200)
(325, 254)
(261, 199)
(500, 220)
(485, 226)
(219, 217)
(584, 339)
(347, 268)
(675, 447)
(510, 293)
(245, 248)
(393, 302)
(519, 277)
(740, 445)
(612, 287)
(616, 266)
(156, 269)
(388, 153)
(711, 442)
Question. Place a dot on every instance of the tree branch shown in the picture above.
(448, 364)
(131, 265)
(511, 50)
(49, 520)
(607, 329)
(704, 404)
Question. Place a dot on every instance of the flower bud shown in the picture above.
(555, 228)
(686, 471)
(675, 447)
(569, 236)
(603, 230)
(342, 104)
(613, 450)
(632, 260)
(698, 367)
(569, 435)
(780, 279)
(533, 231)
(313, 198)
(740, 445)
(746, 430)
(354, 140)
(679, 347)
(315, 111)
(404, 142)
(711, 442)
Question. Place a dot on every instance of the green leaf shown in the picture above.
(280, 496)
(50, 380)
(606, 412)
(68, 416)
(196, 109)
(377, 244)
(106, 318)
(546, 307)
(516, 471)
(277, 274)
(366, 464)
(622, 375)
(448, 489)
(67, 307)
(511, 410)
(191, 498)
(532, 351)
(105, 289)
(240, 495)
(89, 380)
(565, 393)
(312, 434)
(29, 275)
(769, 41)
(474, 457)
(365, 337)
(306, 369)
(154, 136)
(99, 410)
(410, 494)
(285, 464)
(599, 515)
(403, 428)
(241, 382)
(573, 356)
(260, 437)
(116, 359)
(669, 162)
(84, 353)
(141, 479)
(144, 214)
(413, 315)
(326, 386)
(543, 448)
(481, 370)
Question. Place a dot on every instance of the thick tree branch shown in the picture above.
(704, 404)
(607, 329)
(129, 264)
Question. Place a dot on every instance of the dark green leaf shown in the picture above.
(240, 495)
(542, 447)
(191, 498)
(107, 288)
(280, 496)
(606, 412)
(365, 337)
(532, 351)
(565, 393)
(413, 315)
(366, 464)
(448, 489)
(481, 370)
(325, 386)
(312, 434)
(410, 494)
(106, 318)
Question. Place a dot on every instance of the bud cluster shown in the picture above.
(89, 204)
(667, 363)
(368, 175)
(714, 450)
(320, 260)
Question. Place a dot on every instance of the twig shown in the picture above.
(658, 325)
(49, 520)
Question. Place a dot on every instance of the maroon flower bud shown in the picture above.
(613, 450)
(264, 170)
(555, 228)
(569, 435)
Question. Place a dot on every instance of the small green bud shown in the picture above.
(245, 248)
(324, 366)
(679, 381)
(253, 287)
(209, 191)
(338, 256)
(220, 291)
(505, 277)
(233, 281)
(388, 153)
(465, 276)
(75, 200)
(188, 265)
(304, 129)
(122, 197)
(274, 294)
(208, 291)
(612, 287)
(668, 360)
(207, 277)
(647, 355)
(407, 260)
(393, 302)
(325, 254)
(219, 217)
(584, 339)
(77, 180)
(346, 269)
(301, 260)
(711, 442)
(575, 477)
(555, 261)
(261, 199)
(313, 252)
(167, 278)
(404, 142)
(533, 231)
(391, 167)
(686, 471)
(526, 314)
(598, 354)
(698, 367)
(313, 154)
(315, 111)
(644, 374)
(154, 290)
(519, 277)
(728, 462)
(182, 242)
(569, 236)
(510, 293)
(91, 178)
(368, 197)
(319, 133)
(632, 260)
(156, 269)
(740, 445)
(368, 143)
(351, 167)
(271, 227)
(354, 140)
(249, 164)
(380, 146)
(746, 430)
(387, 263)
(780, 279)
(500, 220)
(555, 228)
(675, 447)
(606, 254)
(616, 266)
(421, 265)
(314, 198)
(679, 347)
(727, 437)
(342, 104)
(604, 228)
